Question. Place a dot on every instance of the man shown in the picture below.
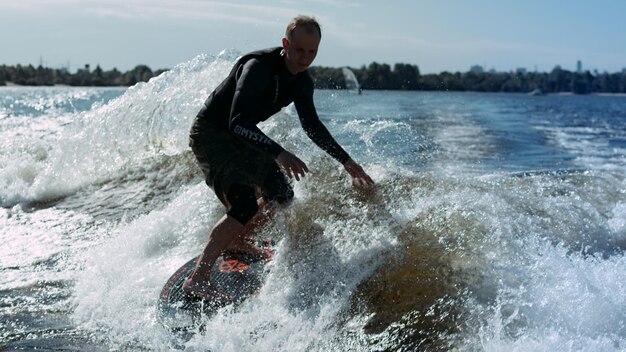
(240, 162)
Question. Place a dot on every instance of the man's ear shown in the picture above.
(285, 43)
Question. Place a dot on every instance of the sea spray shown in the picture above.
(107, 138)
(492, 225)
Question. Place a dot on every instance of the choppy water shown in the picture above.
(498, 222)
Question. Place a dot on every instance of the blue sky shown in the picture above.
(438, 35)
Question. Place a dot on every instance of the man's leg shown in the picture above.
(277, 193)
(243, 243)
(227, 233)
(220, 237)
(227, 230)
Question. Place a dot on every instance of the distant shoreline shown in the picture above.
(11, 85)
(402, 77)
(41, 76)
(621, 95)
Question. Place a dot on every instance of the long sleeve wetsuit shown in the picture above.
(258, 86)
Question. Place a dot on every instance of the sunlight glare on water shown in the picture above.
(498, 221)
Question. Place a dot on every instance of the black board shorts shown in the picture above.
(225, 161)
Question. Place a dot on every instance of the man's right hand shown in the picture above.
(293, 166)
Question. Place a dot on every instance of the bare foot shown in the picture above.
(206, 292)
(249, 248)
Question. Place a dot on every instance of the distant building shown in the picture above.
(477, 69)
(83, 71)
(521, 70)
(579, 66)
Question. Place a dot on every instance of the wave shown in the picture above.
(423, 261)
(435, 258)
(148, 120)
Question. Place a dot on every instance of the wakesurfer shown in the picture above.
(247, 169)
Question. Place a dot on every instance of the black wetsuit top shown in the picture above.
(258, 86)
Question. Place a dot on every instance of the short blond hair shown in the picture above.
(309, 23)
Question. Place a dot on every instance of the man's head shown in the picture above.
(302, 38)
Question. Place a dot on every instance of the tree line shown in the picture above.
(42, 76)
(374, 76)
(408, 77)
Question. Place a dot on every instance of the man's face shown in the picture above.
(301, 50)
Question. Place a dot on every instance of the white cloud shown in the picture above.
(338, 3)
(34, 5)
(332, 3)
(160, 9)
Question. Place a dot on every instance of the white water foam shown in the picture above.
(591, 146)
(119, 287)
(118, 290)
(539, 240)
(108, 138)
(566, 302)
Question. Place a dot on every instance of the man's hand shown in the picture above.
(293, 166)
(359, 177)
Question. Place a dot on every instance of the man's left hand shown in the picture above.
(359, 177)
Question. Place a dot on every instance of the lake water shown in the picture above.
(498, 222)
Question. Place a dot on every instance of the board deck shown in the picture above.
(238, 275)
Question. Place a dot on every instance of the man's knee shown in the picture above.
(277, 189)
(243, 203)
(283, 198)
